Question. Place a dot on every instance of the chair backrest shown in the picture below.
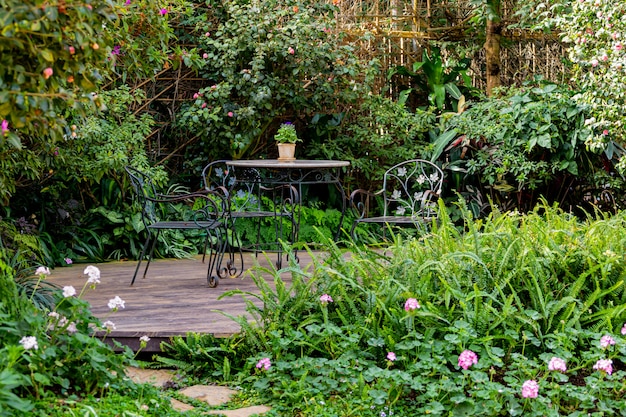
(157, 206)
(411, 188)
(242, 195)
(145, 193)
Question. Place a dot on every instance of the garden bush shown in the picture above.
(526, 144)
(53, 358)
(516, 314)
(266, 62)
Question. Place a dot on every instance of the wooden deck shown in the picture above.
(174, 298)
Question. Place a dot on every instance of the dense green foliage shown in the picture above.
(515, 289)
(54, 57)
(266, 62)
(526, 144)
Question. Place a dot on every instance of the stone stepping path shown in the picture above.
(213, 395)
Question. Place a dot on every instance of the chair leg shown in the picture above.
(154, 241)
(143, 252)
(353, 230)
(216, 257)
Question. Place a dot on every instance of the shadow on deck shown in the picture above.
(173, 300)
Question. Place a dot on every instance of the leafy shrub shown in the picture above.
(382, 331)
(528, 143)
(374, 137)
(265, 62)
(53, 351)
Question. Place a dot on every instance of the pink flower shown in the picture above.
(605, 132)
(624, 329)
(325, 298)
(606, 341)
(411, 304)
(557, 364)
(47, 73)
(530, 389)
(207, 34)
(594, 62)
(127, 2)
(264, 363)
(203, 105)
(604, 365)
(604, 58)
(391, 356)
(5, 127)
(72, 50)
(291, 50)
(195, 95)
(231, 114)
(618, 46)
(205, 55)
(163, 12)
(467, 358)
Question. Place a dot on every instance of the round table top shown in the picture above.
(295, 164)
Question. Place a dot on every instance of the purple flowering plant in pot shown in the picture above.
(286, 138)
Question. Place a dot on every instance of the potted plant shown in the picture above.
(286, 139)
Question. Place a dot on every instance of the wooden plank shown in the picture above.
(173, 299)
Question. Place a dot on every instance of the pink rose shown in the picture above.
(47, 73)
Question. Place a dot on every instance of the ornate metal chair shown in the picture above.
(247, 198)
(409, 196)
(207, 212)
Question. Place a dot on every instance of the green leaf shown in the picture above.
(47, 55)
(441, 142)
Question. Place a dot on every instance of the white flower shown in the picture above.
(29, 342)
(69, 291)
(116, 303)
(71, 328)
(144, 339)
(396, 194)
(434, 176)
(109, 325)
(42, 270)
(401, 172)
(94, 274)
(400, 211)
(421, 179)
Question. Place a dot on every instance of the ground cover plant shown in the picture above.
(52, 362)
(514, 314)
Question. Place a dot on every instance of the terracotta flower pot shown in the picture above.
(286, 151)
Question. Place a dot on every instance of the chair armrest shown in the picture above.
(360, 201)
(206, 205)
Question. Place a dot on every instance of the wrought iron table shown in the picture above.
(297, 173)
